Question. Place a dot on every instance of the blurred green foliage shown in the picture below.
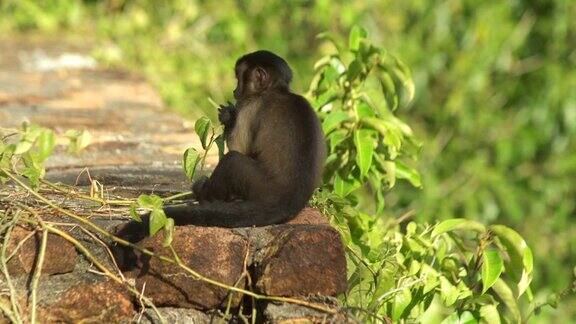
(495, 101)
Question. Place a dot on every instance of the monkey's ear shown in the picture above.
(261, 77)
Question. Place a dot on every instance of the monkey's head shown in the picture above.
(261, 71)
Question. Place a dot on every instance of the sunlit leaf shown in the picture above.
(337, 137)
(220, 142)
(490, 314)
(448, 291)
(168, 232)
(364, 142)
(190, 160)
(505, 293)
(467, 318)
(457, 224)
(357, 33)
(157, 220)
(401, 301)
(46, 143)
(6, 155)
(363, 109)
(333, 120)
(33, 174)
(150, 201)
(354, 70)
(343, 187)
(202, 128)
(521, 262)
(23, 147)
(451, 319)
(431, 278)
(492, 266)
(84, 140)
(134, 214)
(403, 171)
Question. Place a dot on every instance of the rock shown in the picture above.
(302, 260)
(100, 302)
(295, 314)
(60, 255)
(177, 316)
(215, 253)
(309, 216)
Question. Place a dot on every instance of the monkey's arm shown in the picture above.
(236, 175)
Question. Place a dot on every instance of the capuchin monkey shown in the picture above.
(276, 153)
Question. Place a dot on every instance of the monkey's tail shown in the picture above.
(231, 214)
(218, 213)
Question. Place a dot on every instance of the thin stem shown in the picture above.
(7, 312)
(3, 261)
(179, 195)
(38, 272)
(19, 246)
(207, 149)
(87, 197)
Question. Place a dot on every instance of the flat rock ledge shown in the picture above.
(302, 259)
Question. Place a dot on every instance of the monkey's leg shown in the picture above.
(238, 175)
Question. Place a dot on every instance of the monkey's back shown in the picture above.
(290, 145)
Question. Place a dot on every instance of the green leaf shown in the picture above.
(23, 147)
(168, 232)
(430, 276)
(157, 220)
(505, 293)
(521, 261)
(78, 140)
(451, 319)
(467, 318)
(402, 72)
(405, 172)
(83, 140)
(489, 314)
(356, 35)
(354, 70)
(448, 292)
(46, 143)
(134, 214)
(337, 137)
(389, 90)
(492, 266)
(190, 160)
(343, 187)
(31, 131)
(364, 142)
(401, 301)
(363, 109)
(333, 120)
(6, 156)
(457, 224)
(150, 201)
(202, 127)
(33, 174)
(219, 140)
(389, 130)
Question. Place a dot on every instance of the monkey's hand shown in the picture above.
(227, 114)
